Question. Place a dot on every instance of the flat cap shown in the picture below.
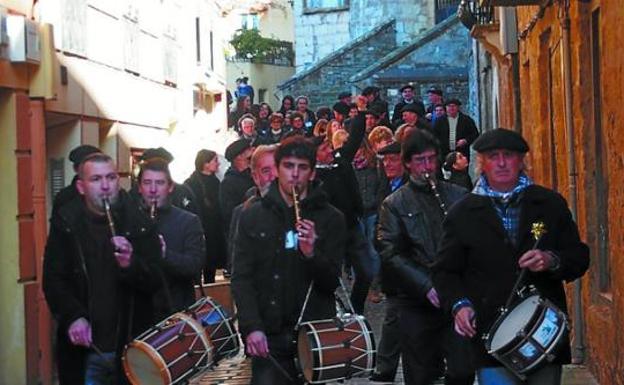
(392, 148)
(454, 101)
(159, 152)
(341, 108)
(236, 148)
(343, 95)
(77, 155)
(411, 107)
(405, 87)
(501, 138)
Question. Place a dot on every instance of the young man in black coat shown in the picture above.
(410, 225)
(99, 285)
(181, 238)
(486, 242)
(279, 257)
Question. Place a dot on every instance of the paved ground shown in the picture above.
(237, 371)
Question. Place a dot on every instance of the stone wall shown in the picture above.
(318, 34)
(413, 17)
(323, 82)
(442, 57)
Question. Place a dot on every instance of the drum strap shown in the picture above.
(347, 298)
(305, 304)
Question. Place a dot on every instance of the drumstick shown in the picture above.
(279, 367)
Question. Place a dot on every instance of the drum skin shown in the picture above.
(218, 327)
(170, 352)
(527, 335)
(335, 349)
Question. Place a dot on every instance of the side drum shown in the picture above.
(218, 325)
(527, 335)
(171, 352)
(335, 349)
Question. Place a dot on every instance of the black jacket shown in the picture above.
(410, 226)
(269, 281)
(476, 262)
(206, 189)
(397, 116)
(339, 180)
(466, 129)
(67, 284)
(233, 188)
(183, 260)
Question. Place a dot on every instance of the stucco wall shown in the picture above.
(261, 76)
(12, 348)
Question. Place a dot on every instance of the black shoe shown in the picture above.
(378, 378)
(226, 274)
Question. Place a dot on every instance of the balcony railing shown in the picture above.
(470, 12)
(281, 54)
(444, 9)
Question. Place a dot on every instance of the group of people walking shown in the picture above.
(309, 198)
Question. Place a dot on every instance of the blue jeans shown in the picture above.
(100, 369)
(548, 375)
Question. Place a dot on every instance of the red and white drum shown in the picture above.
(527, 335)
(335, 349)
(169, 353)
(218, 325)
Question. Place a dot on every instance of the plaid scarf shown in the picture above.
(507, 204)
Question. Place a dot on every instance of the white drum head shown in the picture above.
(515, 320)
(144, 366)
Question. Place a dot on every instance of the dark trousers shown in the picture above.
(283, 349)
(389, 348)
(427, 339)
(358, 254)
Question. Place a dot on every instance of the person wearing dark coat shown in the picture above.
(279, 258)
(181, 196)
(237, 179)
(99, 286)
(309, 118)
(336, 171)
(407, 98)
(410, 225)
(206, 187)
(464, 134)
(182, 239)
(455, 170)
(487, 242)
(68, 193)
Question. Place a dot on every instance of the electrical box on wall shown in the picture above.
(24, 41)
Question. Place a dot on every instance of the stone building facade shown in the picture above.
(570, 114)
(380, 43)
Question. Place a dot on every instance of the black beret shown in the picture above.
(236, 148)
(411, 107)
(435, 90)
(406, 86)
(454, 101)
(341, 108)
(159, 152)
(343, 95)
(393, 148)
(78, 154)
(501, 138)
(372, 111)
